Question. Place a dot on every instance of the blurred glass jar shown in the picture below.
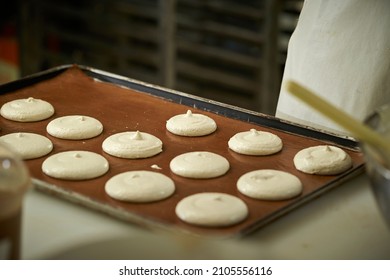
(14, 181)
(377, 164)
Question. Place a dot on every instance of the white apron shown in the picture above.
(341, 50)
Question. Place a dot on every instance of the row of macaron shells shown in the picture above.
(136, 186)
(256, 184)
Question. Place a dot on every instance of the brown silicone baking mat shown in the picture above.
(123, 104)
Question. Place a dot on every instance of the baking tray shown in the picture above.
(123, 104)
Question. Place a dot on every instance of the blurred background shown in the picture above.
(225, 50)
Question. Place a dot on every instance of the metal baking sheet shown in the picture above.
(123, 104)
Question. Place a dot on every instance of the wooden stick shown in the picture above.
(358, 129)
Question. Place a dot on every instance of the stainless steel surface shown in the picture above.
(377, 166)
(344, 224)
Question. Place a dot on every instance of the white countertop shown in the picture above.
(343, 223)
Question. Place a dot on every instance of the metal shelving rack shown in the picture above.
(228, 51)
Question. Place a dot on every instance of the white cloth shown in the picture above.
(341, 50)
